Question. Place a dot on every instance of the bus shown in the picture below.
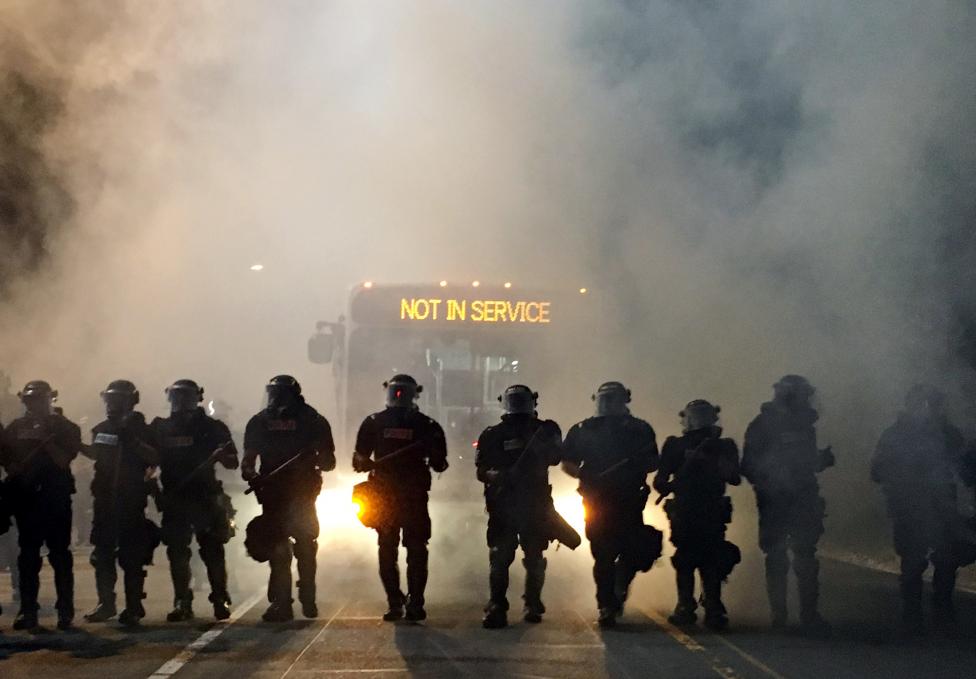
(463, 343)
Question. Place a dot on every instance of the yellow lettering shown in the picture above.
(544, 312)
(434, 303)
(407, 309)
(477, 310)
(528, 312)
(457, 310)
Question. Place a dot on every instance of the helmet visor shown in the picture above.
(400, 395)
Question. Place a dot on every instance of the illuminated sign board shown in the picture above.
(429, 309)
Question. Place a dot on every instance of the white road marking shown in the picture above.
(315, 639)
(752, 660)
(174, 665)
(714, 662)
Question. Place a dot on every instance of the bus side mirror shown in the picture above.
(320, 348)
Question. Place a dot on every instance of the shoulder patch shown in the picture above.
(282, 425)
(103, 439)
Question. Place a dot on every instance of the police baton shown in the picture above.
(261, 480)
(400, 451)
(212, 459)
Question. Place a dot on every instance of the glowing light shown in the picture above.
(475, 284)
(368, 284)
(508, 285)
(443, 284)
(210, 409)
(583, 291)
(337, 511)
(570, 507)
(257, 267)
(358, 508)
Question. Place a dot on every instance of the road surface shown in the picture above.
(350, 640)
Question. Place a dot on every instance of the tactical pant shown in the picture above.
(505, 534)
(791, 524)
(297, 532)
(916, 549)
(47, 522)
(698, 534)
(119, 539)
(410, 516)
(609, 535)
(205, 519)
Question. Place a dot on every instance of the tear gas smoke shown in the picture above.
(755, 190)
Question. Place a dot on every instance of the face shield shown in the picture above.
(402, 394)
(118, 404)
(699, 415)
(280, 397)
(519, 401)
(38, 403)
(182, 400)
(611, 399)
(794, 392)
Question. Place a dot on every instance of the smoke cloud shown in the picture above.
(753, 189)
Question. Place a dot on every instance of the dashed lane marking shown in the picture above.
(314, 640)
(715, 663)
(174, 665)
(752, 660)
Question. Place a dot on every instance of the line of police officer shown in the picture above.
(288, 445)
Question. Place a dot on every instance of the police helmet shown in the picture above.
(611, 398)
(519, 399)
(283, 390)
(401, 391)
(699, 414)
(120, 396)
(184, 395)
(793, 388)
(37, 395)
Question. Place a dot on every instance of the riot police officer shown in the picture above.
(612, 453)
(126, 455)
(36, 452)
(916, 462)
(294, 444)
(696, 467)
(781, 460)
(193, 500)
(399, 446)
(513, 460)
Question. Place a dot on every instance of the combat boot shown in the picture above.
(25, 620)
(395, 610)
(103, 612)
(607, 617)
(65, 621)
(306, 597)
(134, 594)
(415, 610)
(221, 605)
(535, 578)
(496, 616)
(278, 612)
(716, 617)
(684, 610)
(182, 611)
(132, 614)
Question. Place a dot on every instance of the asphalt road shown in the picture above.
(350, 640)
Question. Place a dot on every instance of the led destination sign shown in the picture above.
(427, 309)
